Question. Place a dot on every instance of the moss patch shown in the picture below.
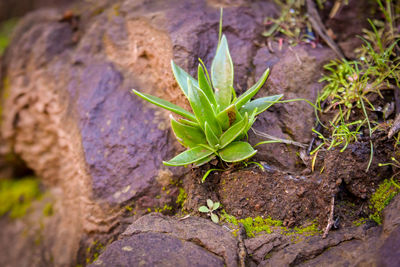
(48, 210)
(166, 208)
(254, 226)
(386, 191)
(6, 29)
(94, 251)
(16, 196)
(181, 197)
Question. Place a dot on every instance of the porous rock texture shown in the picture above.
(157, 240)
(365, 245)
(68, 113)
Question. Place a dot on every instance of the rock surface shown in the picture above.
(70, 117)
(366, 245)
(293, 120)
(11, 9)
(156, 240)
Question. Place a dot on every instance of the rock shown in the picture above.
(155, 249)
(295, 120)
(357, 246)
(32, 245)
(71, 118)
(69, 115)
(157, 240)
(354, 246)
(11, 9)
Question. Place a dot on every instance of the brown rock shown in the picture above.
(71, 118)
(198, 231)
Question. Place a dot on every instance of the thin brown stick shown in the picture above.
(319, 27)
(330, 219)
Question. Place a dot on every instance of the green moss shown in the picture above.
(258, 224)
(268, 256)
(94, 251)
(163, 209)
(229, 218)
(181, 197)
(309, 230)
(16, 196)
(6, 29)
(381, 198)
(48, 210)
(254, 226)
(360, 221)
(128, 208)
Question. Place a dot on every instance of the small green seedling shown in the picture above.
(220, 120)
(211, 207)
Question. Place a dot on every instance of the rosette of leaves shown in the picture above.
(220, 120)
(210, 208)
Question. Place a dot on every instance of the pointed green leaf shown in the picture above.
(262, 104)
(165, 104)
(237, 151)
(246, 96)
(222, 74)
(212, 139)
(210, 204)
(190, 123)
(227, 117)
(233, 94)
(214, 218)
(233, 132)
(187, 135)
(202, 109)
(252, 119)
(204, 209)
(204, 160)
(205, 86)
(215, 206)
(181, 77)
(189, 156)
(205, 70)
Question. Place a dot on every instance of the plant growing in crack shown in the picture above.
(210, 208)
(220, 120)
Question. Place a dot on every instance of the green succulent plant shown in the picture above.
(220, 120)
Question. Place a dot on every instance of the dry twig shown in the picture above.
(330, 219)
(319, 27)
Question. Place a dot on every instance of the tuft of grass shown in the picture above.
(350, 85)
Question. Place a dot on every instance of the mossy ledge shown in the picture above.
(258, 225)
